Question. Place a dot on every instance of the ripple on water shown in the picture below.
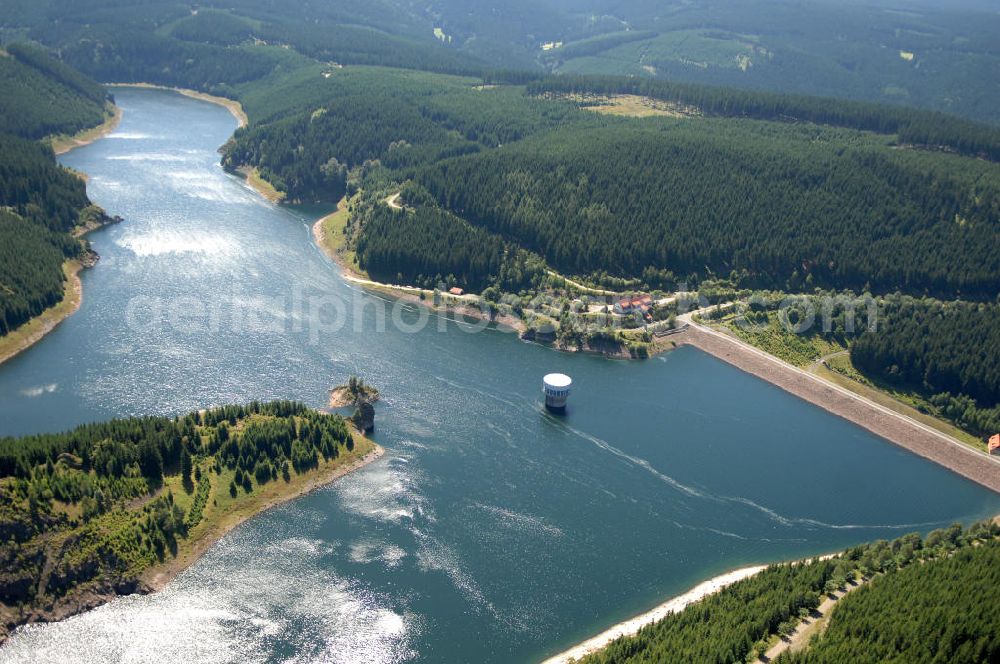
(220, 611)
(387, 491)
(164, 241)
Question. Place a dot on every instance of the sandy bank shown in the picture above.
(633, 625)
(232, 105)
(272, 495)
(253, 179)
(464, 305)
(30, 333)
(884, 422)
(63, 144)
(34, 330)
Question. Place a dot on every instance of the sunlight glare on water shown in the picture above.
(491, 531)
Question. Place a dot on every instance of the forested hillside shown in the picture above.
(839, 206)
(91, 509)
(949, 351)
(939, 56)
(943, 611)
(924, 128)
(42, 96)
(427, 246)
(401, 119)
(215, 49)
(761, 200)
(41, 202)
(916, 590)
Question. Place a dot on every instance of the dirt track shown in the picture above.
(895, 428)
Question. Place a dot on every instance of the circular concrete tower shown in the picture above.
(556, 387)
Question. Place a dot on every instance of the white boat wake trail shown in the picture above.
(771, 514)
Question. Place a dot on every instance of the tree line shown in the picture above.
(944, 611)
(41, 203)
(736, 624)
(400, 119)
(93, 486)
(949, 351)
(762, 200)
(42, 96)
(772, 202)
(427, 246)
(926, 128)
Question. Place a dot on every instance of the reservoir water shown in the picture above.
(491, 531)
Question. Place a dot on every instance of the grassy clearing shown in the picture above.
(798, 349)
(633, 106)
(332, 237)
(18, 340)
(223, 512)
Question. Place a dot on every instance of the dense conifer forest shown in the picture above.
(943, 611)
(757, 199)
(41, 202)
(949, 351)
(935, 130)
(829, 194)
(123, 495)
(42, 96)
(440, 249)
(589, 193)
(922, 600)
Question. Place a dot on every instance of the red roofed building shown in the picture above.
(641, 304)
(455, 290)
(994, 443)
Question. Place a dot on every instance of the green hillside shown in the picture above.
(920, 600)
(41, 202)
(736, 189)
(42, 96)
(87, 512)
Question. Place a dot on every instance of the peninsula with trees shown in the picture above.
(122, 506)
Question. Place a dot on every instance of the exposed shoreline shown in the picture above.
(408, 293)
(27, 335)
(233, 106)
(157, 577)
(34, 330)
(896, 428)
(63, 144)
(253, 180)
(672, 605)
